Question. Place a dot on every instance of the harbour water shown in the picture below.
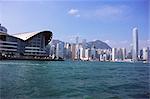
(73, 80)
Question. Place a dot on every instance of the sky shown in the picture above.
(110, 21)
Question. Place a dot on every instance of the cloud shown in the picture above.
(74, 12)
(112, 12)
(107, 12)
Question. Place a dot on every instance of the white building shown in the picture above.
(73, 51)
(124, 53)
(114, 54)
(60, 50)
(146, 54)
(82, 53)
(135, 44)
(53, 51)
(87, 54)
(77, 49)
(67, 52)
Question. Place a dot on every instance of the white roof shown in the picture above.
(26, 35)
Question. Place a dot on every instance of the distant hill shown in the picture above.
(55, 41)
(98, 44)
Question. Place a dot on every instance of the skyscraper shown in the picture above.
(83, 47)
(124, 53)
(73, 51)
(60, 50)
(77, 48)
(114, 54)
(146, 54)
(135, 44)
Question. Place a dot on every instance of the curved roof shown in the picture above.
(25, 36)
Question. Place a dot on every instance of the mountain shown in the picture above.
(55, 41)
(98, 44)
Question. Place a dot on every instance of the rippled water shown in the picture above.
(73, 80)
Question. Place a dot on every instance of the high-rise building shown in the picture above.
(124, 54)
(52, 51)
(77, 48)
(67, 51)
(60, 50)
(114, 54)
(135, 44)
(77, 40)
(87, 54)
(93, 53)
(84, 43)
(146, 54)
(83, 48)
(82, 53)
(119, 54)
(73, 51)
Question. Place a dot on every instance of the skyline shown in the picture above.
(110, 21)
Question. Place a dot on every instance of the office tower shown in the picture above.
(119, 54)
(114, 54)
(84, 47)
(141, 54)
(93, 52)
(84, 43)
(77, 40)
(67, 51)
(146, 54)
(82, 53)
(60, 50)
(87, 54)
(124, 53)
(77, 48)
(73, 51)
(135, 44)
(52, 51)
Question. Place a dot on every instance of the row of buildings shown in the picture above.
(80, 51)
(24, 45)
(32, 45)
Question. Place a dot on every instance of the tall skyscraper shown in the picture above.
(114, 54)
(84, 43)
(77, 48)
(93, 53)
(83, 48)
(135, 44)
(73, 51)
(124, 53)
(146, 54)
(60, 50)
(87, 54)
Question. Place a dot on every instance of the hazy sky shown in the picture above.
(107, 20)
